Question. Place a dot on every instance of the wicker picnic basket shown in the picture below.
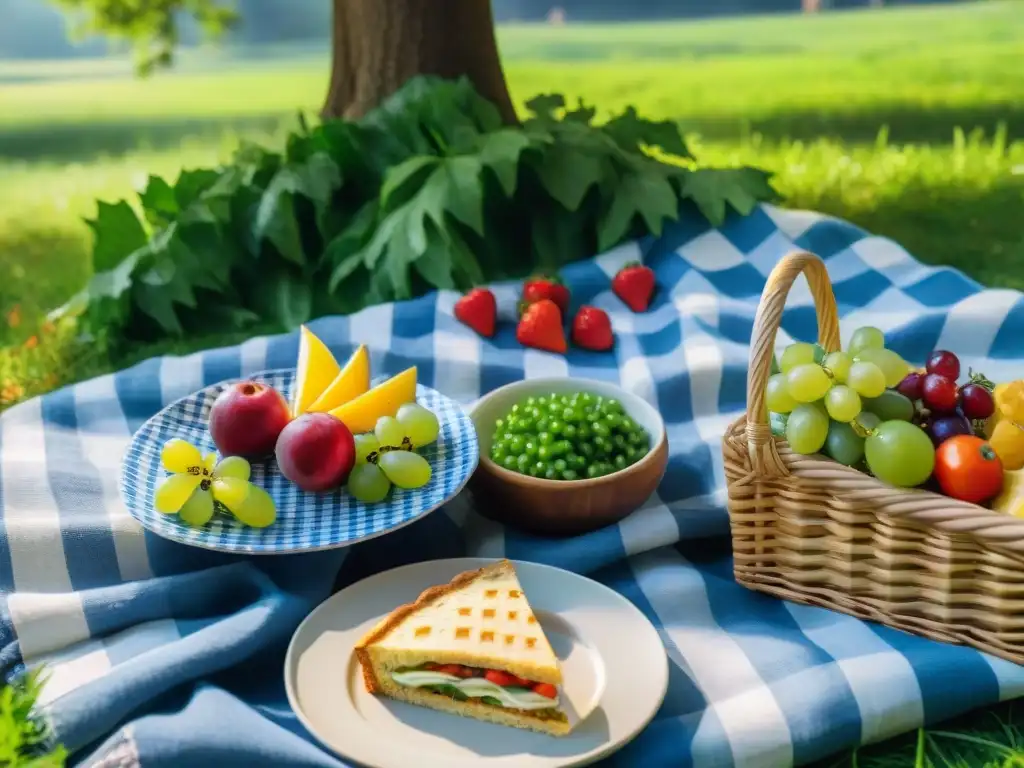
(808, 529)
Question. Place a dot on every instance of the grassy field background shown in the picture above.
(907, 122)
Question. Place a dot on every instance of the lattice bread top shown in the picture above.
(487, 617)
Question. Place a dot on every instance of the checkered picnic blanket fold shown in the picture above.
(165, 655)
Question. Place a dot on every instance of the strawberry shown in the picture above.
(544, 287)
(591, 329)
(479, 310)
(541, 327)
(634, 284)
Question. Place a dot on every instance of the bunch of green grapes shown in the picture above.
(845, 404)
(387, 456)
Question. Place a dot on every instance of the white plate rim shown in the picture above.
(470, 563)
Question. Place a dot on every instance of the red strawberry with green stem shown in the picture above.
(541, 327)
(634, 284)
(479, 310)
(545, 287)
(592, 329)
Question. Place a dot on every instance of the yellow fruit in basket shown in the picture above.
(1010, 501)
(361, 414)
(1005, 428)
(315, 371)
(352, 381)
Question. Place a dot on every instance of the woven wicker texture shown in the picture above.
(808, 529)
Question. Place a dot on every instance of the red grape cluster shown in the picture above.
(944, 409)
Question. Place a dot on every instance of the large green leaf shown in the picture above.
(276, 220)
(632, 132)
(568, 173)
(714, 189)
(284, 296)
(648, 195)
(117, 232)
(500, 152)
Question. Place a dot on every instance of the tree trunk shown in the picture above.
(380, 44)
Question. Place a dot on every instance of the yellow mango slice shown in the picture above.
(361, 414)
(350, 383)
(1011, 500)
(315, 371)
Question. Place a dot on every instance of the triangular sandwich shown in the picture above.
(471, 647)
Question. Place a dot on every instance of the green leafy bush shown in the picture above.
(24, 742)
(429, 191)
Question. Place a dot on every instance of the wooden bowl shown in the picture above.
(563, 507)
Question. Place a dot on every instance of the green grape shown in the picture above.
(893, 367)
(890, 406)
(365, 445)
(778, 423)
(233, 466)
(867, 421)
(900, 453)
(368, 484)
(198, 510)
(777, 395)
(796, 354)
(258, 509)
(866, 379)
(843, 444)
(173, 492)
(806, 429)
(405, 468)
(807, 383)
(389, 431)
(421, 426)
(230, 491)
(842, 403)
(839, 363)
(178, 455)
(867, 337)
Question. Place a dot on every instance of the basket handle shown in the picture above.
(763, 454)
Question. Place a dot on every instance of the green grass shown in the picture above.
(907, 122)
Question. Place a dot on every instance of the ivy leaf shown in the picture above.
(316, 179)
(276, 222)
(343, 253)
(499, 152)
(455, 188)
(158, 201)
(545, 105)
(284, 296)
(401, 181)
(649, 195)
(117, 232)
(568, 173)
(631, 132)
(193, 183)
(435, 263)
(712, 189)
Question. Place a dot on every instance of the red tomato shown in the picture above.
(546, 689)
(504, 679)
(968, 469)
(454, 669)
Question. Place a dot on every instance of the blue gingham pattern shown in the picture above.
(169, 655)
(305, 521)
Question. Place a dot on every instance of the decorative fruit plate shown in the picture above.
(305, 521)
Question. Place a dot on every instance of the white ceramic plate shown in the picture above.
(613, 664)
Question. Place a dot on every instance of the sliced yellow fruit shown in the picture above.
(361, 414)
(350, 383)
(314, 372)
(1010, 501)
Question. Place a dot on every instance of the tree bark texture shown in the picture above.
(380, 44)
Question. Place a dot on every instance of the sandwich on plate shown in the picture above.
(471, 647)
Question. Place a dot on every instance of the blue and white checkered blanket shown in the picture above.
(164, 655)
